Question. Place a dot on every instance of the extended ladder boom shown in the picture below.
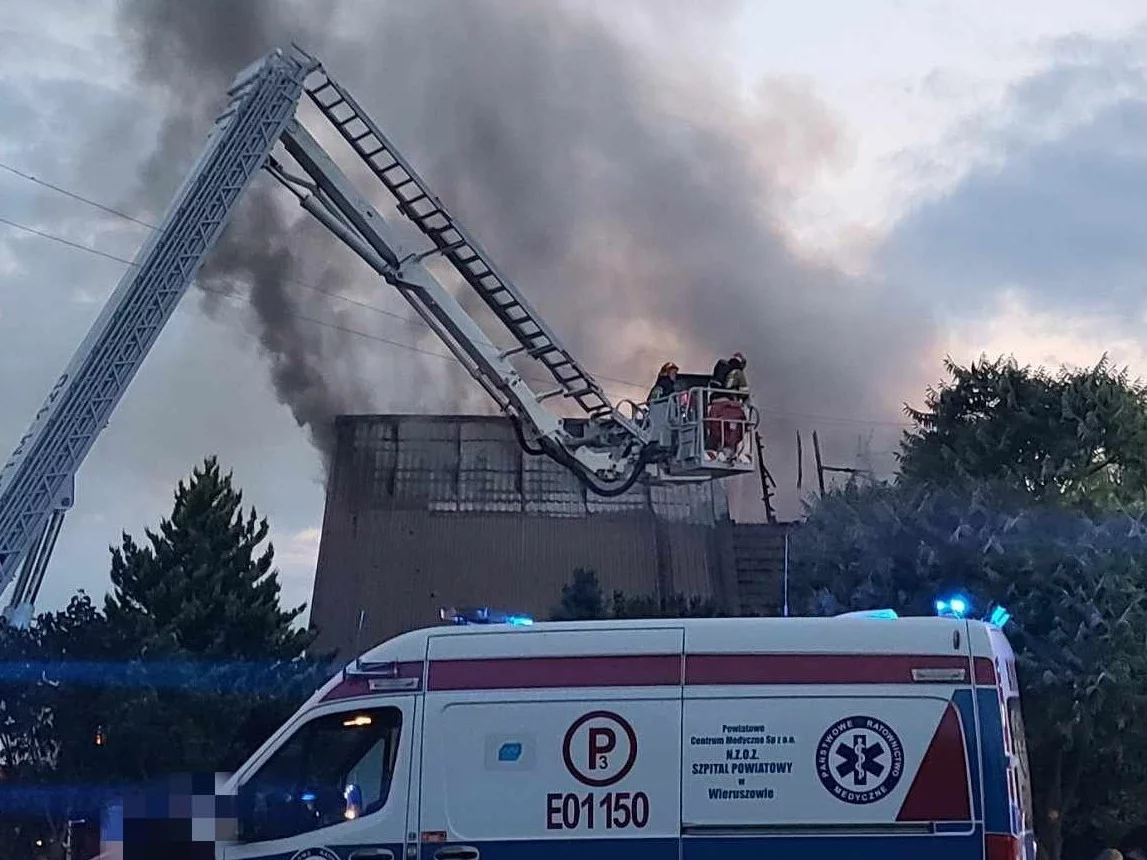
(416, 201)
(36, 483)
(606, 449)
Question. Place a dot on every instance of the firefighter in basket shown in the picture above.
(666, 382)
(725, 415)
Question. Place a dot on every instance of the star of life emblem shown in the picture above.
(859, 760)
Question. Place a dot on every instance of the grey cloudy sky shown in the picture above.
(650, 192)
(1055, 208)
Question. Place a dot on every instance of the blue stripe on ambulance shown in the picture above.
(997, 808)
(963, 702)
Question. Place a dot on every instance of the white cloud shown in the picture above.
(1038, 336)
(9, 261)
(301, 549)
(297, 556)
(902, 79)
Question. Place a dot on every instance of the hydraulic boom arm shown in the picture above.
(36, 483)
(607, 450)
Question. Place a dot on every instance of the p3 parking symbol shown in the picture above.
(599, 748)
(859, 760)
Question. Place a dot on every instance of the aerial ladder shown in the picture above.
(608, 446)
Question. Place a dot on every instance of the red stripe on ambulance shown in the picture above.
(940, 790)
(714, 669)
(985, 672)
(656, 670)
(517, 673)
(1002, 846)
(367, 685)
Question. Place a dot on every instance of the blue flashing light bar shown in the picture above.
(484, 615)
(955, 606)
(999, 616)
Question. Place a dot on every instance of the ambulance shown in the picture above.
(860, 737)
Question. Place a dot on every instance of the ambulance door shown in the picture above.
(336, 786)
(557, 745)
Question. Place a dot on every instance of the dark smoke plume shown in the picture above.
(635, 201)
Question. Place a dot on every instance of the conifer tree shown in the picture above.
(581, 599)
(201, 586)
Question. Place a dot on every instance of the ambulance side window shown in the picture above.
(333, 768)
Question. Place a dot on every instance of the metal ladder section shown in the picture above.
(36, 484)
(423, 208)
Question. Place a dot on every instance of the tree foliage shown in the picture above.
(48, 724)
(1075, 437)
(582, 599)
(201, 585)
(1025, 488)
(676, 606)
(189, 667)
(206, 651)
(1075, 584)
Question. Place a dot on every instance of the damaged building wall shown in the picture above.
(431, 511)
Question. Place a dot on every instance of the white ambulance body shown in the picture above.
(864, 738)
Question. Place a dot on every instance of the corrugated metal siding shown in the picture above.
(401, 567)
(471, 463)
(547, 491)
(759, 559)
(430, 511)
(489, 468)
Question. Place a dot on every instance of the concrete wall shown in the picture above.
(424, 512)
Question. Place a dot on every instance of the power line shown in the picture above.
(120, 214)
(226, 293)
(836, 419)
(73, 195)
(64, 241)
(232, 295)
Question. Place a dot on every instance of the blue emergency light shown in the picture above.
(955, 606)
(484, 615)
(999, 616)
(959, 605)
(870, 613)
(882, 613)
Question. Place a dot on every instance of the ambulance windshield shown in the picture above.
(332, 768)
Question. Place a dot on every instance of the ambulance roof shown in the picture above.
(693, 651)
(852, 635)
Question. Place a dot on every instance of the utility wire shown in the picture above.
(233, 295)
(227, 293)
(73, 195)
(330, 293)
(64, 241)
(120, 214)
